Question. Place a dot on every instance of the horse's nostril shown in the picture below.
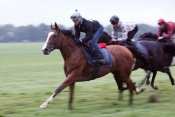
(45, 51)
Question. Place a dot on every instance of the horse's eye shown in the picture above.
(54, 36)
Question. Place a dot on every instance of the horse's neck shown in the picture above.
(68, 47)
(149, 36)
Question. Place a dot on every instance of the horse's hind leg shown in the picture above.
(120, 85)
(146, 79)
(130, 85)
(71, 95)
(153, 79)
(131, 88)
(167, 70)
(148, 75)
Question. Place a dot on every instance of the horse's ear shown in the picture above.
(51, 26)
(57, 27)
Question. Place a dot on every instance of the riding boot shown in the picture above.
(93, 46)
(96, 54)
(141, 53)
(98, 57)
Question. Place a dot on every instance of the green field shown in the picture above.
(27, 78)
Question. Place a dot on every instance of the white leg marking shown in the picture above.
(45, 104)
(134, 64)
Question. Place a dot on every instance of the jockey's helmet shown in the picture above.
(161, 21)
(114, 19)
(76, 16)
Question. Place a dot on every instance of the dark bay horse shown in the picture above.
(168, 48)
(160, 58)
(77, 68)
(159, 53)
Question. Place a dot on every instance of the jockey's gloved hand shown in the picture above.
(78, 42)
(86, 44)
(159, 38)
(85, 40)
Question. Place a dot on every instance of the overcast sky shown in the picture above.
(24, 12)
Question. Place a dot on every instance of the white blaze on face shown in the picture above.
(47, 40)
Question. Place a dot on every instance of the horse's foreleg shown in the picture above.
(69, 80)
(146, 78)
(131, 88)
(71, 95)
(148, 75)
(119, 83)
(170, 75)
(141, 87)
(153, 79)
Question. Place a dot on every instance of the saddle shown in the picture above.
(107, 56)
(140, 52)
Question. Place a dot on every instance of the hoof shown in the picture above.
(147, 82)
(142, 90)
(139, 90)
(70, 108)
(130, 103)
(155, 87)
(43, 106)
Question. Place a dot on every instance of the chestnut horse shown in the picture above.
(77, 68)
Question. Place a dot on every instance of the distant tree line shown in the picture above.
(31, 33)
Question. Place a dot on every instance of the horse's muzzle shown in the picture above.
(46, 51)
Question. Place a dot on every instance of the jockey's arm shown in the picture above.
(124, 34)
(114, 38)
(89, 33)
(87, 37)
(160, 34)
(77, 33)
(165, 36)
(169, 34)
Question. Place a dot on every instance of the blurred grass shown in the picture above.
(27, 78)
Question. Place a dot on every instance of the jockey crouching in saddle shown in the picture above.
(93, 31)
(166, 30)
(121, 32)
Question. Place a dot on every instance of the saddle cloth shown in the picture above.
(107, 56)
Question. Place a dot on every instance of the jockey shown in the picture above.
(166, 30)
(120, 31)
(93, 31)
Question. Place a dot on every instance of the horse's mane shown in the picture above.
(148, 35)
(68, 33)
